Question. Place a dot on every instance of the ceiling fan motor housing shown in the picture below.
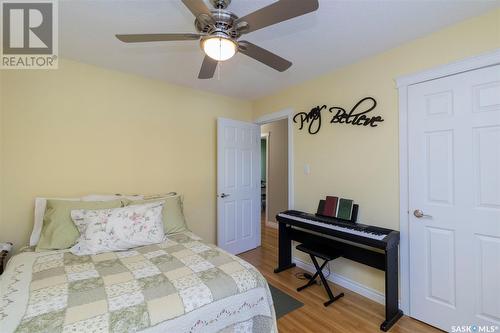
(223, 21)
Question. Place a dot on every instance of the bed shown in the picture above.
(179, 285)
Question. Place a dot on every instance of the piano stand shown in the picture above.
(283, 268)
(387, 324)
(384, 257)
(327, 257)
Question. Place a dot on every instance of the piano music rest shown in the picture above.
(327, 256)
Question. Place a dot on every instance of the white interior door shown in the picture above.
(238, 185)
(454, 178)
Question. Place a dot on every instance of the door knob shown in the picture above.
(223, 195)
(419, 214)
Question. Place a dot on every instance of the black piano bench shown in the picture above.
(327, 256)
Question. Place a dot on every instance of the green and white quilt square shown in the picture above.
(130, 319)
(148, 248)
(220, 284)
(166, 262)
(96, 324)
(156, 286)
(195, 296)
(48, 273)
(49, 322)
(109, 267)
(71, 259)
(196, 263)
(215, 257)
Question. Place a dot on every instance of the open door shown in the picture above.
(238, 185)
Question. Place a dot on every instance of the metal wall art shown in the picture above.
(357, 116)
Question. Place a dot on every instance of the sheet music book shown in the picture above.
(331, 206)
(344, 209)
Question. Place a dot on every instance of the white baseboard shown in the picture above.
(345, 282)
(271, 224)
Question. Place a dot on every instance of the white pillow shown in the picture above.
(117, 229)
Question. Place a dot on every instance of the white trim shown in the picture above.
(480, 61)
(345, 282)
(404, 237)
(272, 224)
(266, 136)
(269, 118)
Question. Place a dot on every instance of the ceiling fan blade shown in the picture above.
(208, 67)
(264, 56)
(197, 7)
(141, 38)
(279, 11)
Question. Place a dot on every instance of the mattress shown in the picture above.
(180, 285)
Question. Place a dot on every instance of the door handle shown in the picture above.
(223, 195)
(419, 214)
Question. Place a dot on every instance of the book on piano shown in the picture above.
(345, 209)
(330, 206)
(340, 208)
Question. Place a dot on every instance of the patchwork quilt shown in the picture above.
(180, 285)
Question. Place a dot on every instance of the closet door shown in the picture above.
(454, 187)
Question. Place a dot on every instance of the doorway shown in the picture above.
(239, 188)
(274, 172)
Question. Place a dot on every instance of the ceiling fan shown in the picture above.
(220, 30)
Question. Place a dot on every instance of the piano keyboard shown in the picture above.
(352, 231)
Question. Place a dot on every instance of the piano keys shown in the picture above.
(370, 245)
(348, 230)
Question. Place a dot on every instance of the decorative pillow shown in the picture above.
(40, 207)
(118, 229)
(58, 231)
(173, 216)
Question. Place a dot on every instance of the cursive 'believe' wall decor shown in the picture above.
(357, 116)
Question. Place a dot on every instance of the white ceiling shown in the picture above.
(339, 33)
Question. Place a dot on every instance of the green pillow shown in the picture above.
(173, 217)
(58, 230)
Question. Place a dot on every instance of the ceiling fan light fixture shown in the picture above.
(219, 47)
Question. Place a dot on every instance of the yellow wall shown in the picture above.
(82, 129)
(361, 162)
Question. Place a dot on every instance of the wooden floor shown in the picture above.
(352, 313)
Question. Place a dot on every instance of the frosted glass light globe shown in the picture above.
(219, 48)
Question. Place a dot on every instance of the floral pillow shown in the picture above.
(117, 229)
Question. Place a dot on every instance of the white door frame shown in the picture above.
(266, 136)
(403, 82)
(269, 118)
